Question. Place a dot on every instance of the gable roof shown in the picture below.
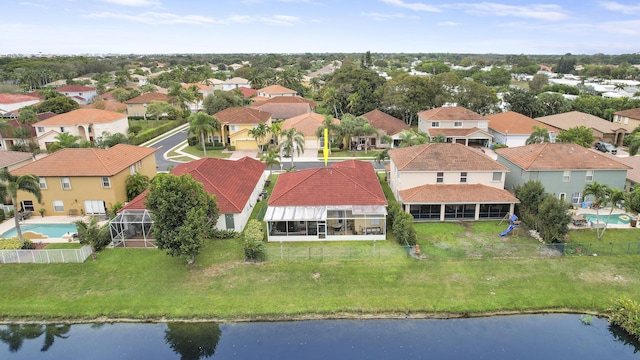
(16, 98)
(571, 119)
(75, 88)
(350, 182)
(8, 158)
(450, 113)
(109, 105)
(442, 157)
(559, 156)
(86, 161)
(382, 121)
(459, 132)
(284, 111)
(307, 124)
(231, 181)
(242, 116)
(82, 116)
(630, 113)
(14, 124)
(245, 91)
(284, 100)
(456, 193)
(277, 89)
(633, 162)
(514, 123)
(236, 80)
(146, 98)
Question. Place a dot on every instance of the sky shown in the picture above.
(318, 26)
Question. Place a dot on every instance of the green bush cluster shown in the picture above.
(210, 146)
(149, 134)
(402, 225)
(224, 234)
(626, 314)
(10, 244)
(231, 148)
(2, 215)
(253, 244)
(28, 245)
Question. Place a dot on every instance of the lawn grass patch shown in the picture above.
(55, 246)
(210, 153)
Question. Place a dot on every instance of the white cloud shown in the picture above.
(535, 11)
(384, 17)
(282, 20)
(33, 5)
(623, 8)
(412, 6)
(448, 23)
(139, 3)
(156, 18)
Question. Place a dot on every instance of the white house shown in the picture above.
(79, 93)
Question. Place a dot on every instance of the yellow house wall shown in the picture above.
(136, 109)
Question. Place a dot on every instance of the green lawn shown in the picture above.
(210, 153)
(56, 246)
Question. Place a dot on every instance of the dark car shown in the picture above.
(606, 147)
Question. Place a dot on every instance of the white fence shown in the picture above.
(45, 256)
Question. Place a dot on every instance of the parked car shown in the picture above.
(606, 147)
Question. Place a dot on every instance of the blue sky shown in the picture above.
(295, 26)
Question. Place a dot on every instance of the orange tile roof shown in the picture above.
(245, 91)
(442, 157)
(87, 161)
(147, 98)
(570, 119)
(456, 194)
(559, 156)
(82, 116)
(382, 121)
(515, 123)
(450, 113)
(284, 110)
(242, 116)
(16, 98)
(109, 105)
(277, 89)
(307, 124)
(14, 124)
(284, 100)
(462, 132)
(350, 182)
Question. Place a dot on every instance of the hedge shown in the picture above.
(155, 132)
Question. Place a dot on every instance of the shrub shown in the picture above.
(149, 134)
(500, 146)
(135, 129)
(28, 245)
(192, 141)
(2, 215)
(626, 314)
(104, 238)
(10, 244)
(254, 248)
(231, 148)
(404, 230)
(210, 146)
(224, 234)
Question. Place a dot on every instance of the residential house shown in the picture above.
(563, 168)
(341, 202)
(285, 107)
(629, 118)
(386, 125)
(79, 181)
(86, 123)
(8, 138)
(204, 90)
(13, 102)
(602, 129)
(235, 123)
(275, 90)
(235, 83)
(81, 94)
(245, 92)
(441, 182)
(457, 124)
(633, 174)
(308, 124)
(138, 105)
(513, 129)
(11, 160)
(236, 184)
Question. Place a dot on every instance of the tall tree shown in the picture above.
(538, 135)
(202, 124)
(553, 218)
(293, 141)
(600, 194)
(271, 158)
(28, 116)
(135, 184)
(10, 185)
(260, 133)
(580, 135)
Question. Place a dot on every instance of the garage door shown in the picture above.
(246, 145)
(94, 207)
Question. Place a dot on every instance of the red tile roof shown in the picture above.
(242, 116)
(75, 88)
(245, 91)
(147, 98)
(16, 98)
(350, 182)
(8, 157)
(87, 161)
(82, 116)
(456, 194)
(14, 124)
(515, 123)
(558, 156)
(137, 203)
(284, 100)
(442, 157)
(382, 121)
(450, 113)
(462, 132)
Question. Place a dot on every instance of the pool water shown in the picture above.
(614, 219)
(50, 230)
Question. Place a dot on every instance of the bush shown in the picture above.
(28, 245)
(224, 234)
(210, 146)
(104, 238)
(626, 314)
(499, 146)
(152, 133)
(135, 129)
(404, 230)
(2, 215)
(231, 148)
(10, 244)
(254, 248)
(192, 141)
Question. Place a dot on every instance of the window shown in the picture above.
(233, 127)
(435, 124)
(40, 129)
(43, 183)
(562, 196)
(566, 176)
(457, 124)
(132, 169)
(27, 205)
(58, 206)
(440, 177)
(106, 182)
(497, 176)
(61, 128)
(575, 197)
(463, 177)
(65, 183)
(589, 177)
(140, 164)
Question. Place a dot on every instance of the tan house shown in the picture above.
(308, 124)
(630, 117)
(441, 182)
(602, 129)
(284, 107)
(633, 173)
(457, 124)
(386, 125)
(513, 129)
(11, 160)
(138, 105)
(88, 124)
(235, 83)
(79, 181)
(235, 123)
(276, 90)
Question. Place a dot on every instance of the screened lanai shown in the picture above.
(132, 228)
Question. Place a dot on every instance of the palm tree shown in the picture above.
(136, 184)
(327, 123)
(11, 184)
(276, 130)
(411, 138)
(293, 141)
(180, 96)
(382, 156)
(271, 158)
(66, 140)
(600, 194)
(89, 233)
(201, 124)
(196, 95)
(367, 130)
(439, 139)
(538, 135)
(259, 133)
(315, 83)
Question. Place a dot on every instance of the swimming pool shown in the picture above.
(615, 218)
(50, 230)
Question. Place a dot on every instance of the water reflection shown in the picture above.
(193, 341)
(620, 335)
(15, 335)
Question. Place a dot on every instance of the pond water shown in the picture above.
(555, 336)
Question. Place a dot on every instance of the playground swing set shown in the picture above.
(514, 225)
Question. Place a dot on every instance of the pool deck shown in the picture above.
(36, 219)
(603, 213)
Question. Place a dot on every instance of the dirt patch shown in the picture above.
(40, 245)
(219, 269)
(601, 277)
